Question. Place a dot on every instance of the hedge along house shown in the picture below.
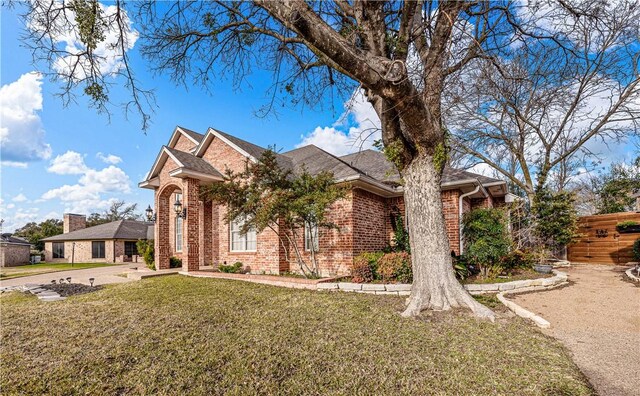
(196, 231)
(113, 242)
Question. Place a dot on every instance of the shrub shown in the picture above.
(486, 239)
(395, 267)
(365, 267)
(636, 250)
(519, 259)
(400, 236)
(460, 267)
(146, 250)
(175, 262)
(623, 225)
(556, 219)
(235, 268)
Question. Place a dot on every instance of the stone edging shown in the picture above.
(631, 276)
(403, 289)
(560, 279)
(43, 294)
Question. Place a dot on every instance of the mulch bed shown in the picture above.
(70, 289)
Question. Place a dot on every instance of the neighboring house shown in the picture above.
(365, 217)
(113, 242)
(14, 251)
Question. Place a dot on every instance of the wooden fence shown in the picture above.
(600, 242)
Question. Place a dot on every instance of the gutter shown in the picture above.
(479, 187)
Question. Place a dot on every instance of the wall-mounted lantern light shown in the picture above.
(150, 215)
(180, 212)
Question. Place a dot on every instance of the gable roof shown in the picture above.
(188, 166)
(11, 240)
(120, 229)
(374, 164)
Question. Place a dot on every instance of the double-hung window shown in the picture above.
(97, 249)
(58, 249)
(311, 237)
(242, 242)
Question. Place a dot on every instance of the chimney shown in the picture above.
(73, 222)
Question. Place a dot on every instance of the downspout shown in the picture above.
(460, 201)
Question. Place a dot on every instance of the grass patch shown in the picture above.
(45, 268)
(178, 335)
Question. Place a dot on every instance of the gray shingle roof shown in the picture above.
(8, 238)
(316, 160)
(121, 229)
(375, 164)
(195, 135)
(194, 163)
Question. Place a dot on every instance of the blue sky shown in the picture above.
(74, 159)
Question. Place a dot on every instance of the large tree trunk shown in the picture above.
(434, 283)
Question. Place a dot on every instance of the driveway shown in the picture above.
(598, 318)
(102, 276)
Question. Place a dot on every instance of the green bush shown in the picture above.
(400, 236)
(460, 267)
(175, 262)
(486, 239)
(623, 225)
(520, 259)
(556, 219)
(395, 267)
(365, 267)
(146, 250)
(235, 268)
(636, 250)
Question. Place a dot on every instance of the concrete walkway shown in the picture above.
(598, 318)
(102, 276)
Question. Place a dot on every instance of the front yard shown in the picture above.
(178, 335)
(44, 268)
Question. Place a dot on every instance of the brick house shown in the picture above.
(14, 251)
(199, 235)
(113, 242)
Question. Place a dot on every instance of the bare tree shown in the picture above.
(402, 54)
(532, 112)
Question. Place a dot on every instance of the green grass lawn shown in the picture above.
(44, 268)
(179, 335)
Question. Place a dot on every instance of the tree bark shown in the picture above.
(434, 283)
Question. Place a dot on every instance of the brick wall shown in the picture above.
(82, 252)
(13, 255)
(184, 144)
(371, 220)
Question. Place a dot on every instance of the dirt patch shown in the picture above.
(598, 318)
(70, 289)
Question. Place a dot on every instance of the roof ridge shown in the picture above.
(118, 228)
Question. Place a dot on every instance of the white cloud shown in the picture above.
(109, 158)
(19, 198)
(87, 195)
(356, 129)
(11, 206)
(66, 35)
(69, 163)
(14, 164)
(22, 136)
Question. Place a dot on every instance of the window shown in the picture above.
(242, 242)
(311, 237)
(178, 234)
(97, 249)
(130, 248)
(58, 249)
